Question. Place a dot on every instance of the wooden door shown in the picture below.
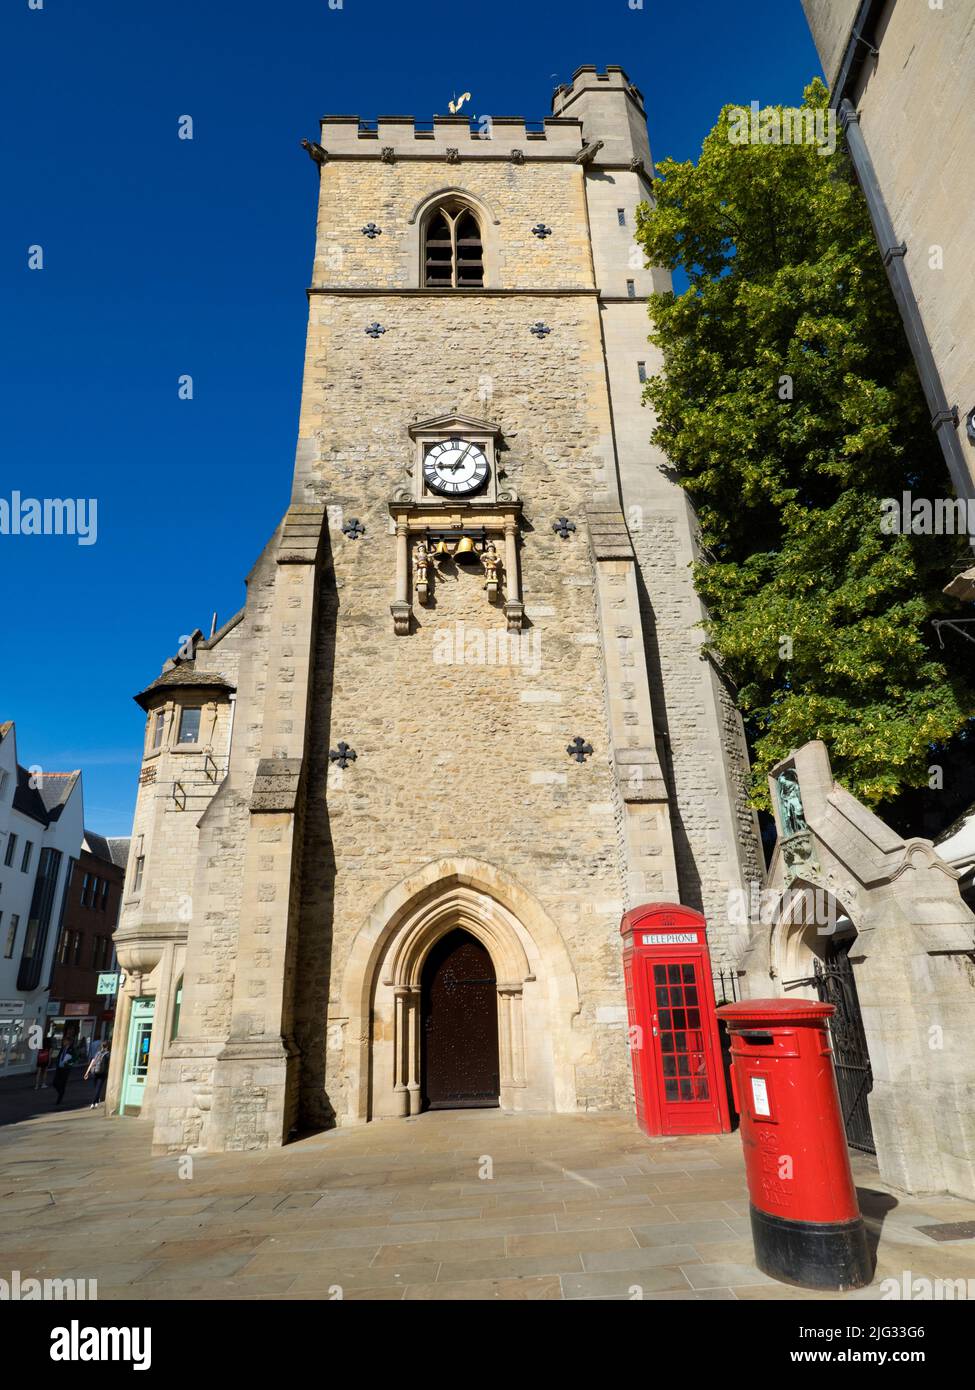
(459, 1001)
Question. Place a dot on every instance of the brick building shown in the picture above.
(85, 947)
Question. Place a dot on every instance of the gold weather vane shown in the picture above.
(455, 105)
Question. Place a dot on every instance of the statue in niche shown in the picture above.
(491, 561)
(790, 803)
(422, 560)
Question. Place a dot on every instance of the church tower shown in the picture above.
(463, 720)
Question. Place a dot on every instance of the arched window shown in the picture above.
(453, 256)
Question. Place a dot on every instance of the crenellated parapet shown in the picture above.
(450, 138)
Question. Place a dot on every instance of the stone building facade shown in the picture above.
(902, 82)
(465, 692)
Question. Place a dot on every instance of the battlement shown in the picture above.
(391, 137)
(588, 79)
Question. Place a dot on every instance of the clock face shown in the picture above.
(455, 467)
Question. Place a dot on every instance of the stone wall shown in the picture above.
(462, 750)
(916, 103)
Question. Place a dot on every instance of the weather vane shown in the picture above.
(458, 102)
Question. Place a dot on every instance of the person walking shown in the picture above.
(43, 1062)
(62, 1067)
(97, 1070)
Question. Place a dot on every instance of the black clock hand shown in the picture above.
(463, 456)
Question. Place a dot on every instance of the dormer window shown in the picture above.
(453, 254)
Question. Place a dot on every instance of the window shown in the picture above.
(158, 724)
(177, 1006)
(39, 918)
(65, 948)
(642, 370)
(140, 865)
(25, 860)
(8, 858)
(11, 934)
(104, 902)
(4, 775)
(84, 890)
(189, 726)
(631, 289)
(621, 216)
(453, 257)
(78, 938)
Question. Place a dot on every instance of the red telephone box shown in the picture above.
(674, 1043)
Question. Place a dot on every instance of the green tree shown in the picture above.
(789, 407)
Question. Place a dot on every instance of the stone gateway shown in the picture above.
(391, 813)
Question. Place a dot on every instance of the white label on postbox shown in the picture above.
(760, 1102)
(670, 938)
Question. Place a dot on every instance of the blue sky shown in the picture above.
(165, 256)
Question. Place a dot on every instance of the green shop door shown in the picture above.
(137, 1054)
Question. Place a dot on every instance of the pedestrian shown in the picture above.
(43, 1062)
(98, 1071)
(62, 1067)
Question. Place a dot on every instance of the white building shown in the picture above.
(41, 829)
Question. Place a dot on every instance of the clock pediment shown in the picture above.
(454, 424)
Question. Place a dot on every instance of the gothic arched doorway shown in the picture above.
(459, 1025)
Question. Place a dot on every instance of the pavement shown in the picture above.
(449, 1205)
(19, 1101)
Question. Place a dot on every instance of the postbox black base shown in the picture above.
(812, 1254)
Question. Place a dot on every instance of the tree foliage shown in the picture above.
(789, 407)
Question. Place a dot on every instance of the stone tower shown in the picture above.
(481, 569)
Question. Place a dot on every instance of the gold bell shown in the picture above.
(465, 551)
(441, 548)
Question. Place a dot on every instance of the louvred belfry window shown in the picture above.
(453, 256)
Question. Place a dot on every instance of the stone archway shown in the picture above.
(808, 918)
(379, 1007)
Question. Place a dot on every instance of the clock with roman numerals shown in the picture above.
(455, 468)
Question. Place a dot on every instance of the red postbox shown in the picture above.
(674, 1044)
(806, 1222)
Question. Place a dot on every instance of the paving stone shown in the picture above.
(399, 1211)
(622, 1283)
(645, 1258)
(509, 1290)
(712, 1276)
